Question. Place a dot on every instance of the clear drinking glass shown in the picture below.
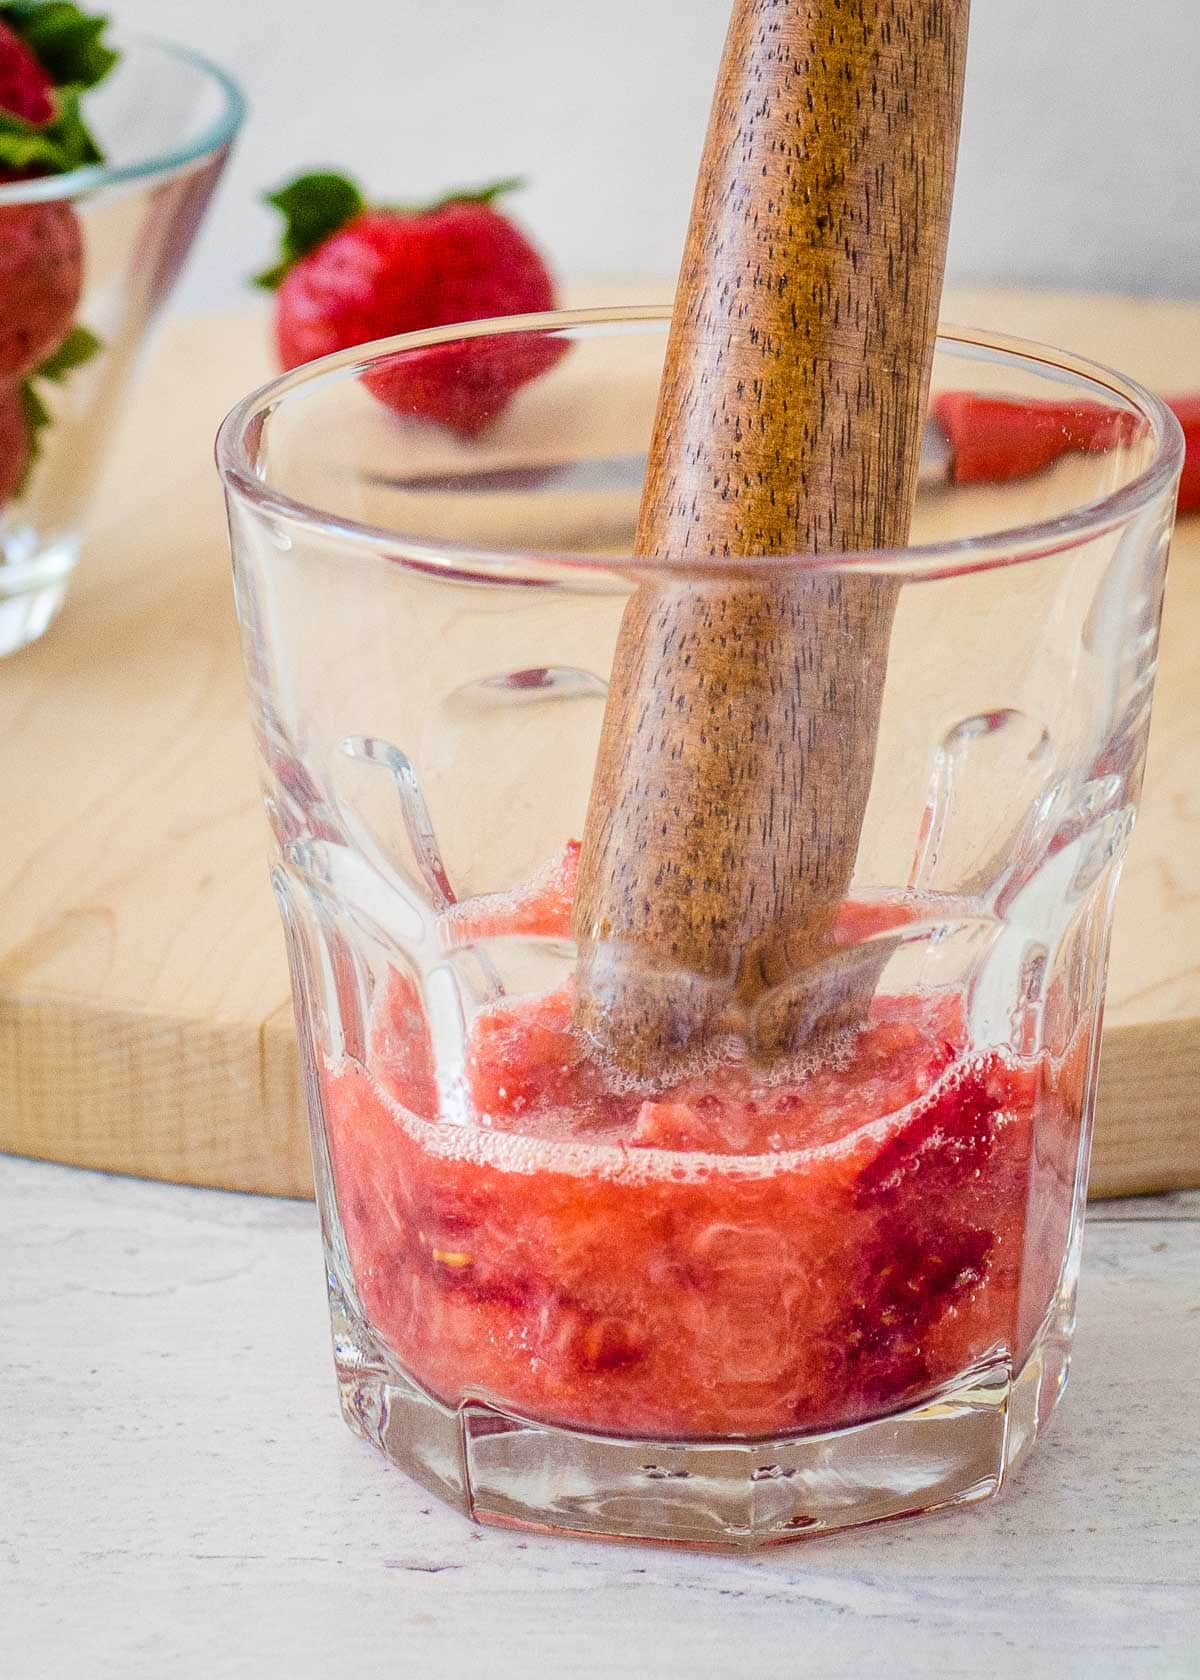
(115, 236)
(743, 1306)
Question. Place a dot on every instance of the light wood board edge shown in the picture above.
(197, 1103)
(188, 1101)
(1147, 1114)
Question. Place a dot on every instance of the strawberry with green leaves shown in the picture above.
(50, 54)
(23, 414)
(350, 272)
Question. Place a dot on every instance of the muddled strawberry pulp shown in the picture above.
(732, 1256)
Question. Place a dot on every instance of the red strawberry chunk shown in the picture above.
(541, 906)
(950, 1140)
(526, 1064)
(911, 1281)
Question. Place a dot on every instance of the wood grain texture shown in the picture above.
(182, 1497)
(735, 764)
(145, 1022)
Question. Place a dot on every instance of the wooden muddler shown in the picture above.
(739, 736)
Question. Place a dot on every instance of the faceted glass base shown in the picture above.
(955, 1448)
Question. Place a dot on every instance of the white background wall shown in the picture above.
(1080, 161)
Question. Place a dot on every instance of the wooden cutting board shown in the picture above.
(145, 1021)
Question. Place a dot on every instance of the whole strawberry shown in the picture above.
(41, 278)
(350, 273)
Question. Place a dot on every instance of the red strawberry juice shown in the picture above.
(729, 1256)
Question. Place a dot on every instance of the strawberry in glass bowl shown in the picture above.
(109, 151)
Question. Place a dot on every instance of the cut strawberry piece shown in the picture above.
(678, 1124)
(1187, 412)
(994, 439)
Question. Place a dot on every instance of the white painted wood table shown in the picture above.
(179, 1498)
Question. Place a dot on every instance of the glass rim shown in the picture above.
(986, 551)
(92, 177)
